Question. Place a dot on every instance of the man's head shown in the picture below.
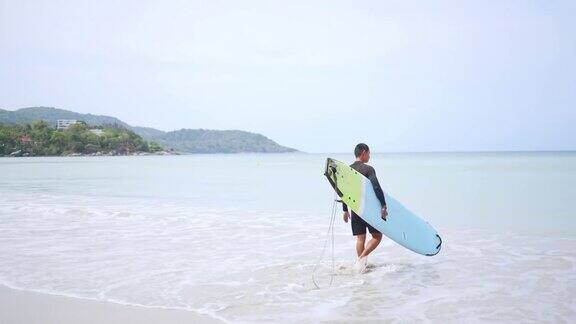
(362, 153)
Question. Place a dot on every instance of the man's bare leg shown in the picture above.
(372, 244)
(360, 241)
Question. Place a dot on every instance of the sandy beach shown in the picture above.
(18, 306)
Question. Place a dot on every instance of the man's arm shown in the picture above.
(377, 189)
(379, 193)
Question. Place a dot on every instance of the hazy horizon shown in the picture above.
(402, 77)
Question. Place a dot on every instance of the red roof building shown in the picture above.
(25, 140)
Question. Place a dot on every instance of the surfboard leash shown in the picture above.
(329, 235)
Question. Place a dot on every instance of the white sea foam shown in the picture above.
(176, 256)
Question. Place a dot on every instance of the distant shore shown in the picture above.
(18, 154)
(160, 153)
(17, 306)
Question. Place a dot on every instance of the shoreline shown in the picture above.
(164, 153)
(159, 153)
(22, 306)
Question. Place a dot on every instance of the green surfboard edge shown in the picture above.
(348, 185)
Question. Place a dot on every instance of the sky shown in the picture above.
(319, 76)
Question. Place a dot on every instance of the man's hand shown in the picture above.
(384, 212)
(346, 216)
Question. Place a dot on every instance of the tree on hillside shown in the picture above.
(39, 139)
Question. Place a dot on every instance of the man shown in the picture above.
(359, 226)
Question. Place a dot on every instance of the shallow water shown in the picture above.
(237, 236)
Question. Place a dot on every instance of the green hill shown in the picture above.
(51, 115)
(218, 141)
(183, 140)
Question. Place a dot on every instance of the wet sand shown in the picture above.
(18, 306)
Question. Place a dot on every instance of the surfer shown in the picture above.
(359, 226)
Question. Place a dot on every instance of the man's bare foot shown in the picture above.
(361, 264)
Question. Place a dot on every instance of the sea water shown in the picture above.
(238, 236)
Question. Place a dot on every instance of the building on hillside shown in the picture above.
(65, 123)
(25, 140)
(97, 131)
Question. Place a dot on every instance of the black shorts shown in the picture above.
(359, 226)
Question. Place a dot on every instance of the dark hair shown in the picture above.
(360, 148)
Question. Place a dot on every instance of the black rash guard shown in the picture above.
(369, 173)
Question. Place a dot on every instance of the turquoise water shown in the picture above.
(246, 230)
(497, 191)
